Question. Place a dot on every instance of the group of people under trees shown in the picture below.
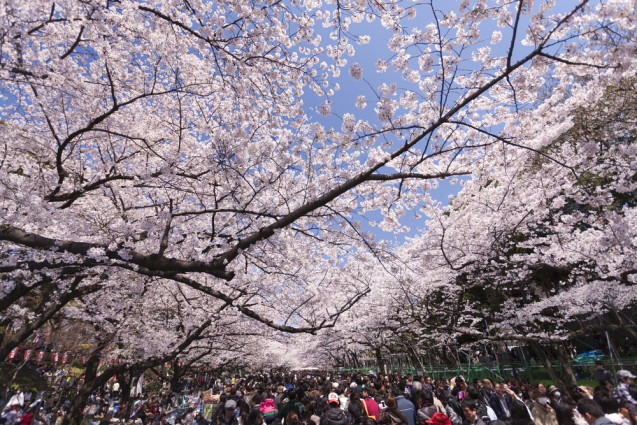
(322, 398)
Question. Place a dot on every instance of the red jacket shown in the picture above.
(371, 408)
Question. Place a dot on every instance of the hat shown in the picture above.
(625, 374)
(333, 398)
(353, 385)
(335, 384)
(439, 419)
(231, 404)
(551, 388)
(238, 394)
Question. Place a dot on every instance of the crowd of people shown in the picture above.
(322, 398)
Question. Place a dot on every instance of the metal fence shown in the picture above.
(518, 370)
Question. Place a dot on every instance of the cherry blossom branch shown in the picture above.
(568, 62)
(153, 262)
(400, 176)
(45, 312)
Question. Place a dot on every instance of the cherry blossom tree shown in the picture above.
(539, 249)
(168, 142)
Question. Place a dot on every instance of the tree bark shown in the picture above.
(74, 414)
(568, 377)
(380, 360)
(125, 387)
(177, 374)
(546, 361)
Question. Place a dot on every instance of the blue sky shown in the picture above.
(366, 55)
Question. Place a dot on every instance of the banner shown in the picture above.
(65, 358)
(40, 356)
(13, 353)
(27, 354)
(83, 359)
(55, 357)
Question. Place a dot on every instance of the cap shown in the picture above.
(551, 388)
(333, 398)
(231, 404)
(625, 374)
(353, 385)
(439, 419)
(335, 384)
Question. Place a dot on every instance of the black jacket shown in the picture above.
(497, 406)
(334, 416)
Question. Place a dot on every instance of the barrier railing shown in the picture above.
(517, 370)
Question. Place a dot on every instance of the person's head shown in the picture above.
(499, 388)
(540, 397)
(292, 419)
(230, 407)
(519, 411)
(608, 403)
(428, 380)
(256, 399)
(554, 392)
(599, 364)
(397, 391)
(473, 392)
(626, 377)
(460, 383)
(590, 410)
(332, 400)
(426, 397)
(487, 384)
(366, 391)
(469, 409)
(391, 403)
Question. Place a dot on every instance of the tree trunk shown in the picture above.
(74, 414)
(544, 358)
(177, 374)
(568, 376)
(380, 361)
(125, 387)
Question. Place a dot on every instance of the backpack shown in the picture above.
(393, 420)
(425, 413)
(267, 408)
